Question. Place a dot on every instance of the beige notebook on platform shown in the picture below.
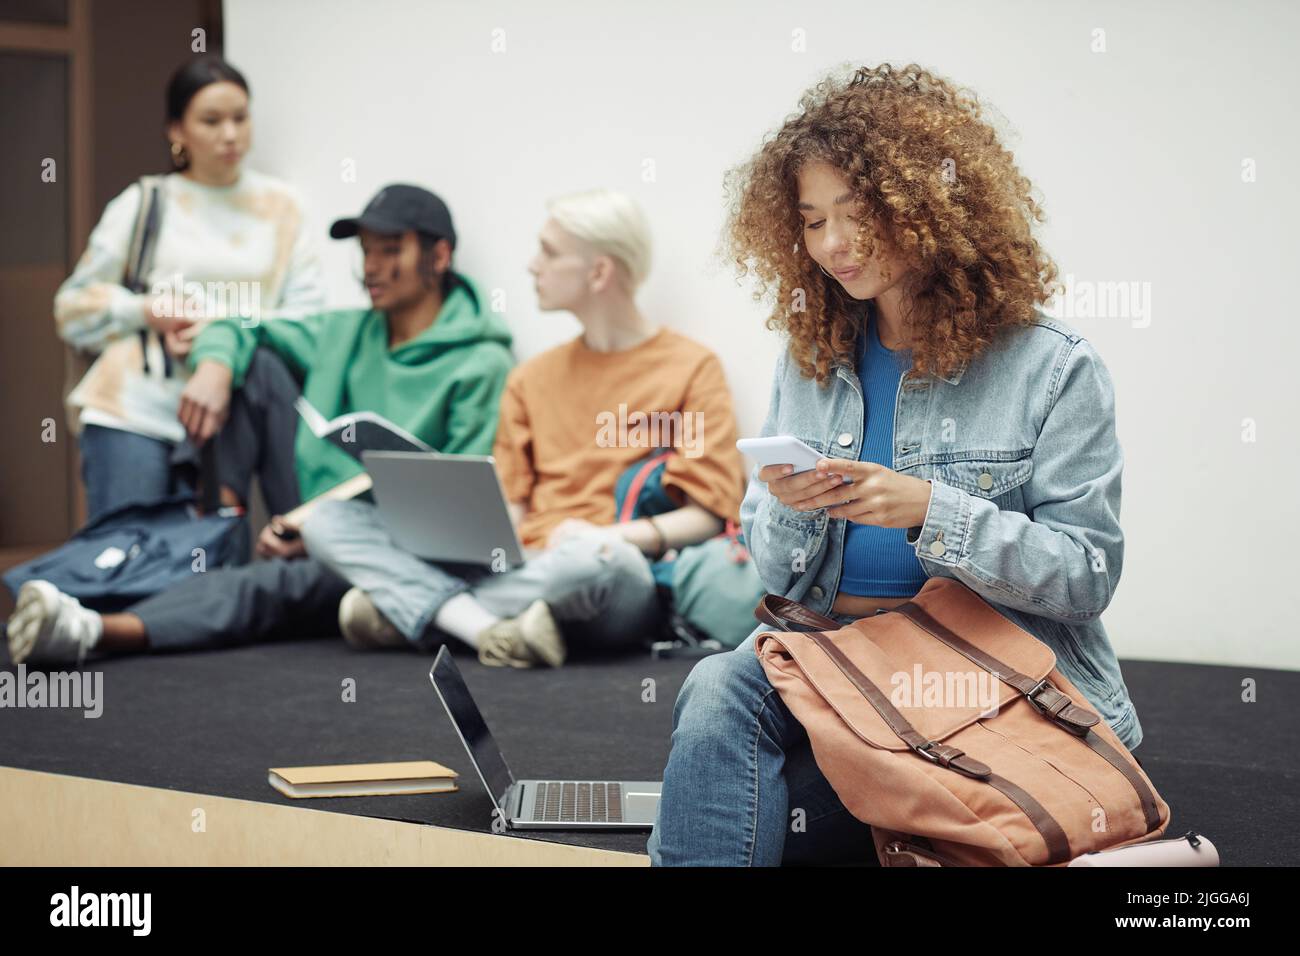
(363, 779)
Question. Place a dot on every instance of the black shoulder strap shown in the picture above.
(144, 238)
(144, 235)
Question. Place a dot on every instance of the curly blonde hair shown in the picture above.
(933, 184)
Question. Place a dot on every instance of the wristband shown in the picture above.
(663, 541)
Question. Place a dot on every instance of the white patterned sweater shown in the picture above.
(238, 250)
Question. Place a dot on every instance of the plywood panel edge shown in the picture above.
(49, 819)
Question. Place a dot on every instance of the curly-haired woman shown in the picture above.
(976, 434)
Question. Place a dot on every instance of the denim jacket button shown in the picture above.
(817, 592)
(845, 439)
(985, 480)
(937, 548)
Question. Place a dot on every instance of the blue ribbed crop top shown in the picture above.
(878, 562)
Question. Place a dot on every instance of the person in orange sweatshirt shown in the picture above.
(572, 420)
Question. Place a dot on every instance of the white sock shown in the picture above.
(462, 616)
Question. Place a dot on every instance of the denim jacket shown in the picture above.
(1020, 449)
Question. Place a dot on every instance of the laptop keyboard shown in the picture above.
(582, 802)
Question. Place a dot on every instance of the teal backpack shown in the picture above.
(713, 586)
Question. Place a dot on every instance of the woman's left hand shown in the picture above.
(877, 495)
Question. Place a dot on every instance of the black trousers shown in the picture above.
(270, 600)
(258, 437)
(265, 600)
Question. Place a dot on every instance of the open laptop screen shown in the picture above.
(469, 723)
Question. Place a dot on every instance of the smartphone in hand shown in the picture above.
(783, 450)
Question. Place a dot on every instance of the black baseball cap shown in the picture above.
(397, 208)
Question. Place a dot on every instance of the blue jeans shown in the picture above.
(120, 467)
(601, 593)
(741, 787)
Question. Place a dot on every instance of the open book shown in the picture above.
(359, 431)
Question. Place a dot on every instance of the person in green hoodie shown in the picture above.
(439, 379)
(428, 355)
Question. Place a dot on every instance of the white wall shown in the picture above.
(1137, 151)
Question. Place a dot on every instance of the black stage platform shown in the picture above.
(213, 723)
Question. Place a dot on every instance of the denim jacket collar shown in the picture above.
(952, 379)
(850, 370)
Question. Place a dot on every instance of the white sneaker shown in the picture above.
(530, 639)
(50, 627)
(364, 626)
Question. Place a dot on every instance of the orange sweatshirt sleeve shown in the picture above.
(513, 446)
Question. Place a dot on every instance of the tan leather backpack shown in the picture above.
(948, 729)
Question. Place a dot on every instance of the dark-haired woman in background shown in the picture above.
(231, 241)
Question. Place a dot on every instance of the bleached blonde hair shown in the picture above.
(612, 222)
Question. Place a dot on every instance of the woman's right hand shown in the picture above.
(793, 490)
(206, 401)
(161, 315)
(179, 342)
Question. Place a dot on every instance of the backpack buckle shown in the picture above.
(1076, 722)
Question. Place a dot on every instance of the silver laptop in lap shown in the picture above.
(564, 804)
(444, 507)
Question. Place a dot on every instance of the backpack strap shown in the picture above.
(638, 482)
(1045, 698)
(1041, 694)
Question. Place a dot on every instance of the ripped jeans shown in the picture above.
(600, 591)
